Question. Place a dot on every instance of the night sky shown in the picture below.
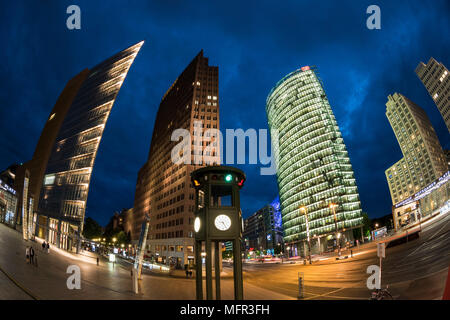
(254, 44)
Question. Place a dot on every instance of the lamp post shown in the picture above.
(304, 209)
(333, 209)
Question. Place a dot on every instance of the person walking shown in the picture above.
(27, 254)
(48, 247)
(31, 255)
(43, 246)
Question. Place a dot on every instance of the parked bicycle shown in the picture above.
(381, 294)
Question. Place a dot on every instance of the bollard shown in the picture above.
(300, 285)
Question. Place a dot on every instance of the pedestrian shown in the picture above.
(190, 274)
(48, 247)
(98, 260)
(43, 246)
(31, 255)
(187, 273)
(27, 254)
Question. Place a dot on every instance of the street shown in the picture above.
(414, 270)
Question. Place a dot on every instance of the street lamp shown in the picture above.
(333, 209)
(304, 209)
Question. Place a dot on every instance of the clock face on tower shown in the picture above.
(222, 222)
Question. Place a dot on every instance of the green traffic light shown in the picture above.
(228, 177)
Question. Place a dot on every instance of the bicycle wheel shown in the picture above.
(386, 296)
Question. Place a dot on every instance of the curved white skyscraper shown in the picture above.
(314, 173)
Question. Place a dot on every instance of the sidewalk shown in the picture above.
(107, 281)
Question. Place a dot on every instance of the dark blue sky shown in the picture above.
(254, 44)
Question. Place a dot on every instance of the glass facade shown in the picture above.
(313, 166)
(8, 204)
(66, 182)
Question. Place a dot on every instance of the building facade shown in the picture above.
(263, 230)
(8, 204)
(435, 78)
(423, 158)
(432, 200)
(63, 195)
(313, 166)
(164, 194)
(30, 175)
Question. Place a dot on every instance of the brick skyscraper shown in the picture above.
(163, 189)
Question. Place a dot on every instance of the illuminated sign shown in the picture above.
(112, 257)
(49, 179)
(305, 68)
(4, 186)
(427, 190)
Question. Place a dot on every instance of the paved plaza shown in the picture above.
(414, 270)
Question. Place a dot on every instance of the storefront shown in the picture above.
(431, 200)
(406, 214)
(8, 204)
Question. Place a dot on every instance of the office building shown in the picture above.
(263, 230)
(423, 158)
(313, 167)
(435, 78)
(63, 195)
(428, 202)
(30, 175)
(8, 203)
(164, 193)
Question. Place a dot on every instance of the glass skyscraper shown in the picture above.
(314, 173)
(65, 188)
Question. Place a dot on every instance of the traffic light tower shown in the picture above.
(217, 219)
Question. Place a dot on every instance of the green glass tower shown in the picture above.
(314, 173)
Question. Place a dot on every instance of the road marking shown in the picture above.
(324, 294)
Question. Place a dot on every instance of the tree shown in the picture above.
(121, 237)
(92, 229)
(366, 227)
